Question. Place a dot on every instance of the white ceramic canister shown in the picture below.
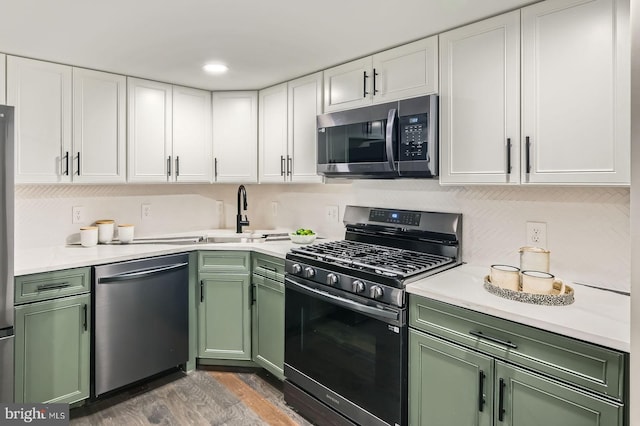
(89, 236)
(534, 259)
(106, 228)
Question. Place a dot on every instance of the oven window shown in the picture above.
(355, 143)
(352, 354)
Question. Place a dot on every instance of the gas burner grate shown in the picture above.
(381, 260)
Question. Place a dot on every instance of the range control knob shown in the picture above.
(296, 269)
(332, 279)
(376, 292)
(357, 286)
(309, 272)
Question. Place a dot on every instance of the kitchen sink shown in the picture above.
(233, 239)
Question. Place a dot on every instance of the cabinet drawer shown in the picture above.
(234, 262)
(584, 364)
(50, 285)
(268, 266)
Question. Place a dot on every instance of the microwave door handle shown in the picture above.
(391, 121)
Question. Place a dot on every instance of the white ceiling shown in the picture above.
(263, 42)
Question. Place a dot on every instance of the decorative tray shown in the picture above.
(553, 299)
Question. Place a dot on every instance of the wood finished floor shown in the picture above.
(202, 397)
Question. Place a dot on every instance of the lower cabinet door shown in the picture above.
(448, 384)
(527, 399)
(224, 317)
(268, 330)
(52, 350)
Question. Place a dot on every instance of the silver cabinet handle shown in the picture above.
(169, 166)
(53, 286)
(282, 165)
(481, 335)
(289, 165)
(177, 165)
(215, 167)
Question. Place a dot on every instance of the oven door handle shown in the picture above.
(345, 303)
(391, 121)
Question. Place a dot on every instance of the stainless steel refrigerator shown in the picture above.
(6, 253)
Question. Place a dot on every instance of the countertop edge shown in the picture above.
(585, 320)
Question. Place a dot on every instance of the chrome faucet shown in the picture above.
(242, 192)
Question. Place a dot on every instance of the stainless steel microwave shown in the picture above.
(391, 140)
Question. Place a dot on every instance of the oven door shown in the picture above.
(346, 351)
(359, 143)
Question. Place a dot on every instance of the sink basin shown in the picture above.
(234, 239)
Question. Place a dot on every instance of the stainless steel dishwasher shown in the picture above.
(141, 324)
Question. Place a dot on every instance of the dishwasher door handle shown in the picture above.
(141, 274)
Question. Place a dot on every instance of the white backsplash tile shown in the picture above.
(588, 228)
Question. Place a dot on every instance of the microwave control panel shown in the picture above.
(413, 137)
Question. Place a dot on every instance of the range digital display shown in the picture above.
(395, 217)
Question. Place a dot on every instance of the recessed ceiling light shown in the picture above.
(215, 68)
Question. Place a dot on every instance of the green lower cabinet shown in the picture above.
(532, 400)
(224, 317)
(268, 325)
(448, 384)
(52, 350)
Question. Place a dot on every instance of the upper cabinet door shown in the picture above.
(99, 127)
(406, 71)
(575, 89)
(480, 102)
(348, 85)
(235, 136)
(272, 134)
(41, 93)
(3, 67)
(149, 130)
(192, 143)
(305, 103)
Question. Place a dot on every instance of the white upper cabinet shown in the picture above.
(191, 154)
(149, 131)
(272, 134)
(235, 136)
(99, 127)
(403, 72)
(41, 94)
(304, 104)
(575, 92)
(480, 102)
(348, 85)
(288, 131)
(574, 110)
(3, 67)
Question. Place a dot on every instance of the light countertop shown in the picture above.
(45, 259)
(596, 316)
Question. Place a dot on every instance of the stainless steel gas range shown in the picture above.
(345, 313)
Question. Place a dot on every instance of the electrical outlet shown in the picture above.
(537, 234)
(77, 214)
(274, 208)
(146, 211)
(331, 214)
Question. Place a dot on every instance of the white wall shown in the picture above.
(588, 228)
